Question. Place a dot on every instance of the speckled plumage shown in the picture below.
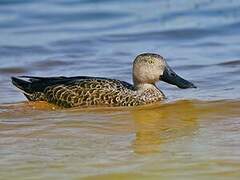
(87, 91)
(90, 91)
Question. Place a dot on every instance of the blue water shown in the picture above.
(200, 40)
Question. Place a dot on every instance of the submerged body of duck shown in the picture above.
(87, 91)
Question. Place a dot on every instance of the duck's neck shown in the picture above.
(149, 93)
(145, 86)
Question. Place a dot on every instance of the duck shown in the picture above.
(87, 91)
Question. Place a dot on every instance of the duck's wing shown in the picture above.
(67, 91)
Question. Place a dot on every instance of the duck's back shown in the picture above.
(76, 91)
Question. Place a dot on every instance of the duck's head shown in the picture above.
(148, 68)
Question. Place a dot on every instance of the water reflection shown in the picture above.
(152, 126)
(159, 125)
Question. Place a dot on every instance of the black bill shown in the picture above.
(171, 77)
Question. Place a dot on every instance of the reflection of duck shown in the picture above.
(94, 91)
(162, 124)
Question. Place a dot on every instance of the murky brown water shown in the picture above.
(183, 139)
(195, 134)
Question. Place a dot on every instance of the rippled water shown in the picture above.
(194, 135)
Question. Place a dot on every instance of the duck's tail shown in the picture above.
(24, 85)
(31, 87)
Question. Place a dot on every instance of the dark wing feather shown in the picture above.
(40, 83)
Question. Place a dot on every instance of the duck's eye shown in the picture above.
(151, 61)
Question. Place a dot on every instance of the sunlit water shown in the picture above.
(195, 134)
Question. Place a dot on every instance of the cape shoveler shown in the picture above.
(148, 68)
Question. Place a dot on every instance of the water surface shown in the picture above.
(193, 135)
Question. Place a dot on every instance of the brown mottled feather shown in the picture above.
(91, 91)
